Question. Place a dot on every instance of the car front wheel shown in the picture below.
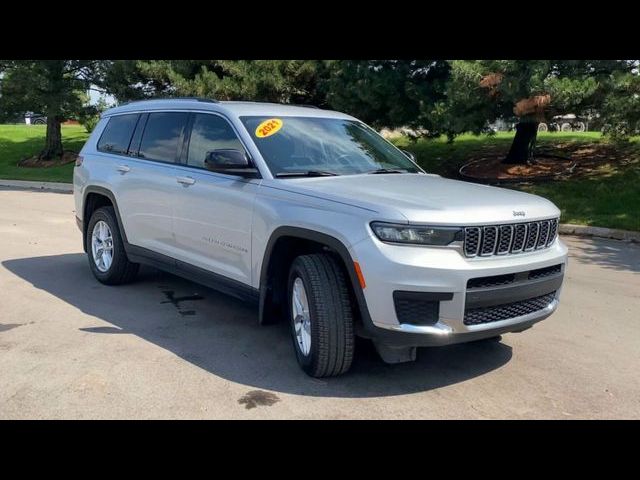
(320, 315)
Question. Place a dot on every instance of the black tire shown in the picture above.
(121, 270)
(332, 331)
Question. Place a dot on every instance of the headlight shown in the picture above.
(416, 234)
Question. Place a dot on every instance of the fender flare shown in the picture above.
(106, 193)
(323, 238)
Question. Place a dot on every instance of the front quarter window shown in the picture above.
(330, 145)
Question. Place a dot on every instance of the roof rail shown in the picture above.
(306, 105)
(195, 99)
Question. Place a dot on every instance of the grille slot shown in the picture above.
(544, 235)
(495, 281)
(553, 231)
(519, 237)
(504, 239)
(544, 272)
(471, 241)
(532, 236)
(489, 240)
(478, 316)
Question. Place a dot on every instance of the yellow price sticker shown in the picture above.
(268, 127)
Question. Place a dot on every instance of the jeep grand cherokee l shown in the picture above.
(320, 221)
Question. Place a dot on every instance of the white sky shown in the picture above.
(95, 96)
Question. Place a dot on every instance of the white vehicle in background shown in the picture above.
(565, 123)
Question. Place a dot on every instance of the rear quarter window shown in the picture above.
(117, 134)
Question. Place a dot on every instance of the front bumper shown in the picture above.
(445, 271)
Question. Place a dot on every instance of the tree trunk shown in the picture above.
(521, 152)
(53, 141)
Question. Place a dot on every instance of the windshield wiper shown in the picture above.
(307, 173)
(386, 170)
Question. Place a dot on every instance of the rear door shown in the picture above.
(148, 180)
(213, 211)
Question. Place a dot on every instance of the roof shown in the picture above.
(230, 108)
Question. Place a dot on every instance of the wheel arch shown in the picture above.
(95, 197)
(286, 243)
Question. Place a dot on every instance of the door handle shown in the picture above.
(186, 181)
(123, 169)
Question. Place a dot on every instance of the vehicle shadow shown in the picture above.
(221, 334)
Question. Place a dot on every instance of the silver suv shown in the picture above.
(320, 221)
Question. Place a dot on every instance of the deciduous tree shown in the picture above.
(54, 88)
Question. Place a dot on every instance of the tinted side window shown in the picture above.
(134, 145)
(117, 134)
(162, 136)
(210, 132)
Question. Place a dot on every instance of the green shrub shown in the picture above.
(89, 122)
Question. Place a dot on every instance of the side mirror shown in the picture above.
(230, 161)
(409, 154)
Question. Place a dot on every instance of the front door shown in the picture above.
(213, 212)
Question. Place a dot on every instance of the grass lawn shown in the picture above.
(608, 197)
(22, 141)
(611, 200)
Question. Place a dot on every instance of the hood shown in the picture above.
(427, 198)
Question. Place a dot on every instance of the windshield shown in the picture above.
(293, 145)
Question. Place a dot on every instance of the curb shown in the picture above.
(51, 186)
(600, 232)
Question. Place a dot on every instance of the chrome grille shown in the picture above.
(505, 239)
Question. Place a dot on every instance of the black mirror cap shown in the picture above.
(227, 158)
(232, 162)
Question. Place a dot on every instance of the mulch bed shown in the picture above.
(35, 162)
(491, 168)
(575, 160)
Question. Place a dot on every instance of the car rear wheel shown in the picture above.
(320, 315)
(105, 248)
